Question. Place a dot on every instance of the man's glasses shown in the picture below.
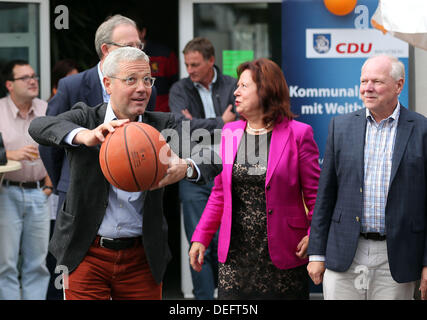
(147, 81)
(138, 45)
(27, 78)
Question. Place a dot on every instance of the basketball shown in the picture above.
(130, 157)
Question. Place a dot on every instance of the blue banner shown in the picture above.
(322, 55)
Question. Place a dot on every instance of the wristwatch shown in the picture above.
(190, 169)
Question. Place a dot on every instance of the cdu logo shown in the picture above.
(322, 42)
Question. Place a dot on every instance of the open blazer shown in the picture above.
(84, 208)
(292, 180)
(337, 219)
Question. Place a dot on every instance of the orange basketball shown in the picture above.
(132, 158)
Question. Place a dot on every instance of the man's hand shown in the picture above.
(187, 114)
(423, 284)
(29, 152)
(197, 253)
(316, 269)
(177, 171)
(228, 114)
(96, 136)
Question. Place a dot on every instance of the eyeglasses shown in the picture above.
(147, 81)
(138, 45)
(27, 78)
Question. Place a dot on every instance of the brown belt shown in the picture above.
(25, 185)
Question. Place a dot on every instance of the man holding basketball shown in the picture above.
(114, 243)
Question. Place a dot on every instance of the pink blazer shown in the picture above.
(291, 180)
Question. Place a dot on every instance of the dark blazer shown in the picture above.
(335, 227)
(184, 95)
(81, 214)
(82, 87)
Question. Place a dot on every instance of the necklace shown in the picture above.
(261, 130)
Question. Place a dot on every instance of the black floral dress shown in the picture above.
(248, 272)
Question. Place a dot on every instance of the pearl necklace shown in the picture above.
(261, 130)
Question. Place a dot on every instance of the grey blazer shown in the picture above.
(81, 214)
(335, 227)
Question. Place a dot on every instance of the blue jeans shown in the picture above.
(24, 234)
(194, 198)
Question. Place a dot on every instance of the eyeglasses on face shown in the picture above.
(147, 81)
(138, 45)
(27, 78)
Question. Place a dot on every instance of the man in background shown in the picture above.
(24, 214)
(205, 100)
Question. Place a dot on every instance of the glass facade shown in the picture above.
(19, 33)
(240, 31)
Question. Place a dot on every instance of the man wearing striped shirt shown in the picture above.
(368, 236)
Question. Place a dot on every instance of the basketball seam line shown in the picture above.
(130, 161)
(155, 155)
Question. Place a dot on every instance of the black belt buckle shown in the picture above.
(102, 242)
(373, 236)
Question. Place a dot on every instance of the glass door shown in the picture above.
(24, 34)
(239, 30)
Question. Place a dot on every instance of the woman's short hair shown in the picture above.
(272, 88)
(105, 31)
(126, 54)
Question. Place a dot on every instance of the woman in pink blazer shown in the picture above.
(270, 170)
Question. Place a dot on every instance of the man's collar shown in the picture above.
(215, 77)
(394, 115)
(100, 75)
(110, 115)
(15, 109)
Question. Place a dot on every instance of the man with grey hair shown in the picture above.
(112, 242)
(115, 32)
(368, 237)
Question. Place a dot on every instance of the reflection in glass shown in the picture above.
(19, 34)
(14, 17)
(240, 26)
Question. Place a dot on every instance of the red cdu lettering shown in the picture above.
(352, 48)
(341, 48)
(365, 51)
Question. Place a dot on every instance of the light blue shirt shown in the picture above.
(379, 146)
(206, 97)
